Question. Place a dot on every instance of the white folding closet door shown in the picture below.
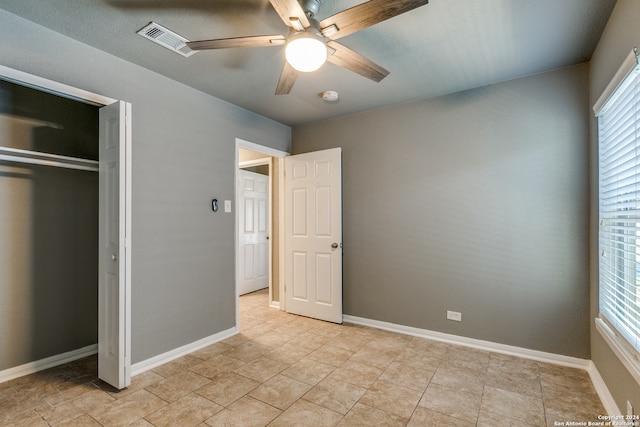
(113, 317)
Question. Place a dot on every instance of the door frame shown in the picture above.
(279, 157)
(50, 86)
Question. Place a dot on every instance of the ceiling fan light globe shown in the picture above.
(306, 53)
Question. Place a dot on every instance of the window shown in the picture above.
(618, 112)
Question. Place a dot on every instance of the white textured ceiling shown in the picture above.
(443, 47)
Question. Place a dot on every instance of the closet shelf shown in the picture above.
(37, 158)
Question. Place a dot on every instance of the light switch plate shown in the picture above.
(227, 205)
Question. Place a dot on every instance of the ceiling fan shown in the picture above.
(311, 42)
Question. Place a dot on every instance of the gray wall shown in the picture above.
(473, 202)
(48, 262)
(620, 36)
(183, 156)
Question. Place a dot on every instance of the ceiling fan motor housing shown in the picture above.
(310, 7)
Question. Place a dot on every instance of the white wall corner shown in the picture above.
(153, 362)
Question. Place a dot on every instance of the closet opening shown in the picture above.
(61, 140)
(49, 192)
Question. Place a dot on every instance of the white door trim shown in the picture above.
(281, 236)
(61, 89)
(272, 152)
(256, 162)
(50, 86)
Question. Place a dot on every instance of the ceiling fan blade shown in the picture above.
(288, 9)
(287, 79)
(365, 15)
(249, 41)
(351, 60)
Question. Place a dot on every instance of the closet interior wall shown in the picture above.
(48, 225)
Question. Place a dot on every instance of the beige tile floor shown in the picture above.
(286, 370)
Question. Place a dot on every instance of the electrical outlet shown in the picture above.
(629, 408)
(454, 315)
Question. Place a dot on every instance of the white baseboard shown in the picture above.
(603, 391)
(539, 356)
(48, 362)
(275, 304)
(140, 367)
(145, 365)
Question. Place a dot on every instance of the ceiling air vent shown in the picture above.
(167, 38)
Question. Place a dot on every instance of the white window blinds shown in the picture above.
(619, 238)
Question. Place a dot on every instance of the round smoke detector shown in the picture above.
(330, 95)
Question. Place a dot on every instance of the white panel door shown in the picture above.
(253, 211)
(313, 234)
(113, 318)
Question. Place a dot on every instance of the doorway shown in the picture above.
(268, 162)
(254, 226)
(312, 190)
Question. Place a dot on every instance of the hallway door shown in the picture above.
(253, 229)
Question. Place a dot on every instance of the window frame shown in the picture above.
(611, 333)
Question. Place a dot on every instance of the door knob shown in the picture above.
(334, 245)
(114, 257)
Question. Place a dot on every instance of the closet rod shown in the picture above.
(34, 157)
